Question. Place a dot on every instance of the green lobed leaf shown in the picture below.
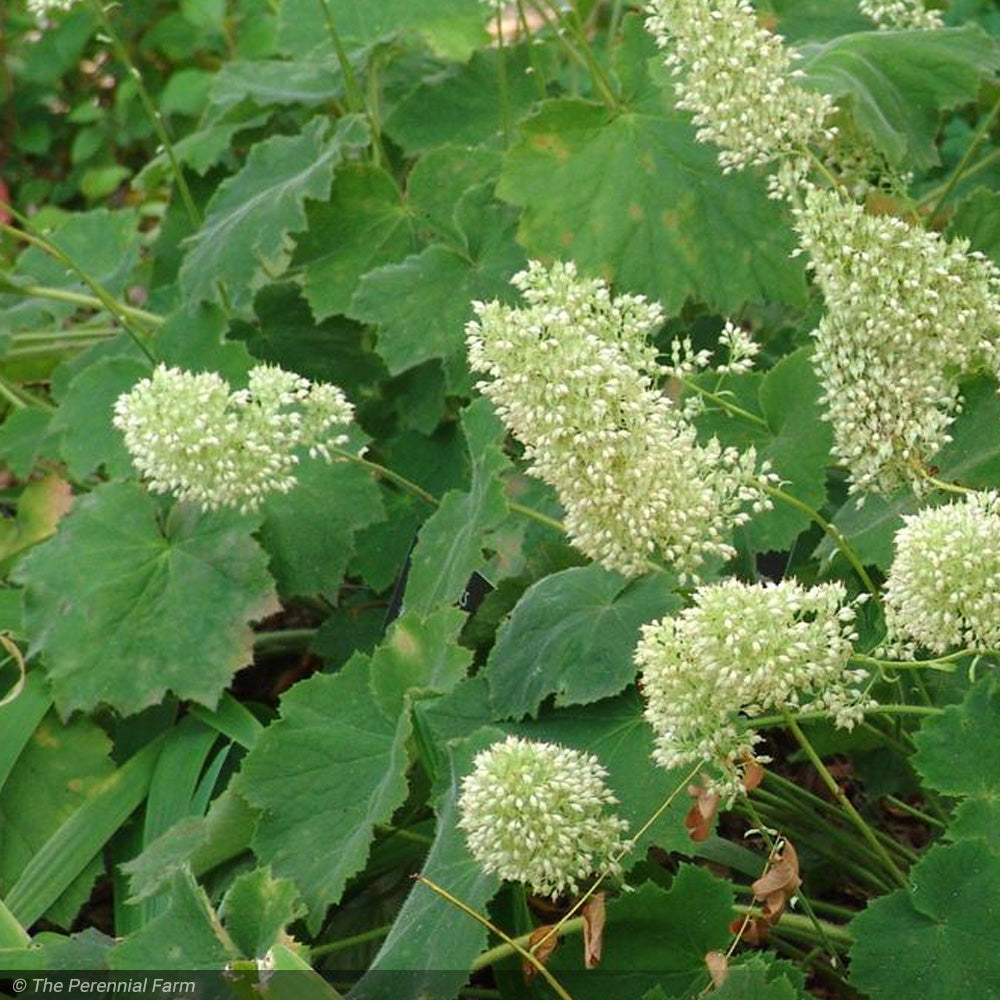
(118, 643)
(653, 938)
(267, 82)
(573, 634)
(244, 239)
(451, 27)
(50, 952)
(187, 936)
(198, 842)
(630, 195)
(937, 938)
(450, 545)
(462, 106)
(257, 909)
(897, 83)
(309, 533)
(977, 218)
(760, 979)
(797, 448)
(332, 767)
(421, 305)
(55, 772)
(24, 435)
(432, 943)
(364, 225)
(88, 440)
(958, 754)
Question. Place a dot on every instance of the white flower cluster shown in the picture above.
(193, 437)
(900, 14)
(572, 375)
(745, 649)
(907, 313)
(536, 813)
(42, 7)
(736, 78)
(943, 589)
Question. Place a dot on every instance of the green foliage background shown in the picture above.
(219, 730)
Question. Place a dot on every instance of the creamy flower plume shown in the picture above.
(537, 813)
(745, 649)
(907, 312)
(42, 7)
(943, 588)
(900, 13)
(193, 437)
(573, 376)
(737, 80)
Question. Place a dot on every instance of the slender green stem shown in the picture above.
(502, 78)
(356, 100)
(939, 484)
(830, 529)
(82, 332)
(51, 347)
(537, 70)
(584, 57)
(527, 955)
(502, 951)
(91, 302)
(267, 643)
(813, 803)
(395, 477)
(104, 297)
(819, 905)
(978, 138)
(537, 515)
(152, 111)
(725, 404)
(915, 812)
(21, 398)
(935, 193)
(404, 834)
(770, 721)
(342, 944)
(946, 664)
(804, 926)
(596, 70)
(803, 899)
(887, 739)
(838, 793)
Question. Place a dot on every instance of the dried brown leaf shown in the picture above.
(594, 915)
(541, 944)
(753, 775)
(698, 821)
(779, 883)
(718, 967)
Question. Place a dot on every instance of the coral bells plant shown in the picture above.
(497, 492)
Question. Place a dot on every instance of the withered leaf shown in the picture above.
(541, 944)
(698, 821)
(593, 914)
(753, 775)
(752, 931)
(718, 967)
(779, 883)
